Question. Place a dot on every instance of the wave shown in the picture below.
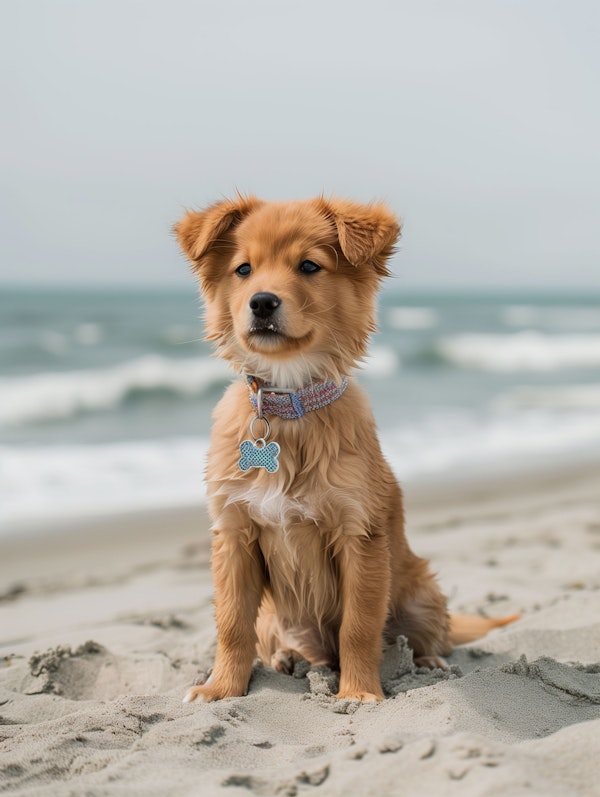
(412, 318)
(53, 396)
(564, 318)
(56, 482)
(520, 351)
(445, 441)
(381, 361)
(56, 396)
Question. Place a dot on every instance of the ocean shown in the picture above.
(106, 394)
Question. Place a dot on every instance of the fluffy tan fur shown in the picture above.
(310, 561)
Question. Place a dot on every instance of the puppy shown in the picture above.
(310, 559)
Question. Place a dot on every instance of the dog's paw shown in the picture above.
(283, 660)
(364, 697)
(208, 693)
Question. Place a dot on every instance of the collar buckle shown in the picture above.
(262, 389)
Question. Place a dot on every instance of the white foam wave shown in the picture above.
(53, 396)
(412, 318)
(562, 318)
(445, 441)
(60, 344)
(381, 361)
(45, 483)
(521, 351)
(88, 334)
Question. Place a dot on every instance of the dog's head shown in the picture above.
(290, 286)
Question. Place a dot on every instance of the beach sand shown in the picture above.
(104, 624)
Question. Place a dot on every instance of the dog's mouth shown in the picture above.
(265, 328)
(268, 334)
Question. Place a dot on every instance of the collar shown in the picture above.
(291, 404)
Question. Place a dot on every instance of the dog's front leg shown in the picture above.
(238, 581)
(365, 585)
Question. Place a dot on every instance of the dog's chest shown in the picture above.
(271, 505)
(293, 540)
(294, 537)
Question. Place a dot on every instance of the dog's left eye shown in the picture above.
(308, 267)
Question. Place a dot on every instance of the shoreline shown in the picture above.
(167, 526)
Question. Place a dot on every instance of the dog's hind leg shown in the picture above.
(420, 614)
(422, 617)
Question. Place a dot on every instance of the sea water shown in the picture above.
(106, 395)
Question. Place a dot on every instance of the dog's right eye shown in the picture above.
(243, 270)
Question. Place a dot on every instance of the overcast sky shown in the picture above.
(478, 122)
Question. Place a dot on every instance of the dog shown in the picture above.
(309, 556)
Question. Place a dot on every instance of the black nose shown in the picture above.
(264, 305)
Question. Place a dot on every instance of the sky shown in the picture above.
(477, 122)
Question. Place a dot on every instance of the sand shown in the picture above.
(104, 624)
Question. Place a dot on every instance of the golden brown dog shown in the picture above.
(309, 554)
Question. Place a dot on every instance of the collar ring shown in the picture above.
(267, 431)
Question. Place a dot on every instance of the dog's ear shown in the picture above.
(198, 231)
(367, 233)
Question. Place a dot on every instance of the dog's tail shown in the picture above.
(466, 628)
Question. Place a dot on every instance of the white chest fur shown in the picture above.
(271, 505)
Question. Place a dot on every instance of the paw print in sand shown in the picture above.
(259, 455)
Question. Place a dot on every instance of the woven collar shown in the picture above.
(290, 405)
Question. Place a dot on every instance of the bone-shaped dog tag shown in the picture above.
(259, 454)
